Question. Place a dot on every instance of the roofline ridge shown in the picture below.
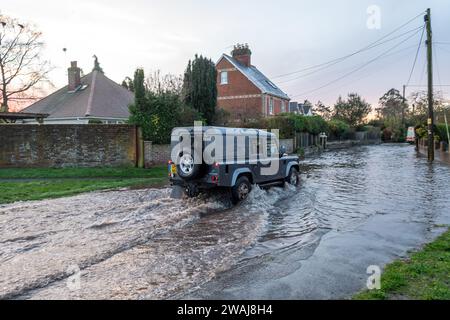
(91, 94)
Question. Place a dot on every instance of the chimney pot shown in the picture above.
(243, 54)
(74, 75)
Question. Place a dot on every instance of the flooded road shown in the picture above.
(358, 207)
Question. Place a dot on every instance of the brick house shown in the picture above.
(244, 91)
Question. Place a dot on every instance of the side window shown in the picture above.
(253, 147)
(224, 77)
(283, 106)
(272, 148)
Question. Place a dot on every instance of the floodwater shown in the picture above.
(354, 208)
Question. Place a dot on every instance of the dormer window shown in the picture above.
(224, 77)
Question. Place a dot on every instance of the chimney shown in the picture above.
(74, 76)
(243, 54)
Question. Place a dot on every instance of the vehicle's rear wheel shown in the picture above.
(293, 177)
(241, 189)
(187, 168)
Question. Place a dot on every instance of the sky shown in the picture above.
(284, 36)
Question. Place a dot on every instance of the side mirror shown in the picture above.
(282, 150)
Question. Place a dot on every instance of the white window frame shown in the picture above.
(271, 106)
(224, 77)
(283, 106)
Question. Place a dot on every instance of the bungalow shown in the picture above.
(92, 98)
(244, 91)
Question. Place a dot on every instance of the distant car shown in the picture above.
(250, 156)
(411, 135)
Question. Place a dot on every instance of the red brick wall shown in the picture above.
(277, 105)
(238, 85)
(242, 109)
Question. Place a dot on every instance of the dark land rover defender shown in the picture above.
(233, 158)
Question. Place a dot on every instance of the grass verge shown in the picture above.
(37, 183)
(425, 275)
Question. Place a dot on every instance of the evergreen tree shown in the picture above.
(139, 89)
(199, 87)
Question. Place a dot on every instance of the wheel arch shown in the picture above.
(242, 172)
(292, 164)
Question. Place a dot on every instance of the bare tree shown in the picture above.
(419, 101)
(21, 63)
(158, 83)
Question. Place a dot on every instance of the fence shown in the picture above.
(304, 140)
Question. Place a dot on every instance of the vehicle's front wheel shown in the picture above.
(293, 177)
(241, 189)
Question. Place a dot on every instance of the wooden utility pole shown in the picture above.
(430, 87)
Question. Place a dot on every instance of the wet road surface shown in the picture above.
(358, 207)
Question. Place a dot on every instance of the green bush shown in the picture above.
(284, 124)
(314, 124)
(441, 131)
(421, 132)
(288, 124)
(338, 129)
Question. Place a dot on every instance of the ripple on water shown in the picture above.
(142, 244)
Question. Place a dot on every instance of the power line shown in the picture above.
(344, 58)
(357, 69)
(351, 54)
(415, 58)
(376, 71)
